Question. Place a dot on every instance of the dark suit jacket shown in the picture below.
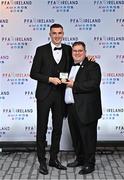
(86, 91)
(42, 68)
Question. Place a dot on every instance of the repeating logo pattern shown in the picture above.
(120, 58)
(39, 24)
(17, 114)
(4, 59)
(62, 6)
(85, 24)
(4, 94)
(112, 113)
(107, 6)
(14, 6)
(15, 78)
(112, 78)
(108, 41)
(3, 22)
(25, 25)
(4, 130)
(16, 42)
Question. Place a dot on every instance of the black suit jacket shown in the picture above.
(86, 91)
(42, 67)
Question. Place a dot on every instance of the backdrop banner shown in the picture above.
(24, 26)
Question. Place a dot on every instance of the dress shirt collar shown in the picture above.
(53, 46)
(74, 63)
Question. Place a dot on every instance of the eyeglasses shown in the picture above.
(78, 51)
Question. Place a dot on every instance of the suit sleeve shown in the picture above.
(36, 68)
(92, 81)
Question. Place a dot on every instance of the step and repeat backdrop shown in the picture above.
(24, 25)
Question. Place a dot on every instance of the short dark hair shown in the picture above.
(56, 26)
(79, 43)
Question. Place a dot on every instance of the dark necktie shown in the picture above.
(76, 64)
(57, 48)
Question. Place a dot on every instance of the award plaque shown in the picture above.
(63, 76)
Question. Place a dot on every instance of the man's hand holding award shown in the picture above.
(63, 76)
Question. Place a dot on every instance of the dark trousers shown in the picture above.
(84, 137)
(54, 102)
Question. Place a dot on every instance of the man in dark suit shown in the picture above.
(84, 107)
(49, 61)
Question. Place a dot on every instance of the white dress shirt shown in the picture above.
(69, 98)
(57, 54)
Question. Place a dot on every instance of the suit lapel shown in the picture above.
(49, 52)
(85, 61)
(82, 66)
(67, 55)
